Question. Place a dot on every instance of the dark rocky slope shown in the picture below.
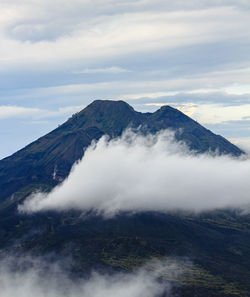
(49, 159)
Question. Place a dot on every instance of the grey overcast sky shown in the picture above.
(58, 56)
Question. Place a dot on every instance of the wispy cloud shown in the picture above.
(28, 276)
(111, 70)
(36, 113)
(17, 111)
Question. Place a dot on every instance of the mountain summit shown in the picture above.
(48, 160)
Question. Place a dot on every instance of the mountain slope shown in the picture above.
(49, 159)
(217, 243)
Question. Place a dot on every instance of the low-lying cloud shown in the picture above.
(28, 277)
(136, 173)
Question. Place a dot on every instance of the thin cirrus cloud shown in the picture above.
(147, 173)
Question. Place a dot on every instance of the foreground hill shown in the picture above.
(47, 161)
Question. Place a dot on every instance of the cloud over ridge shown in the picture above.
(136, 173)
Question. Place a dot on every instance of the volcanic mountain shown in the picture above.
(217, 243)
(48, 160)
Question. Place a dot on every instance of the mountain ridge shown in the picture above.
(48, 160)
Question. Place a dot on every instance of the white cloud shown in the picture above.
(112, 70)
(28, 276)
(33, 35)
(153, 173)
(91, 35)
(17, 111)
(215, 113)
(9, 111)
(130, 89)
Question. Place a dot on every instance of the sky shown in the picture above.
(56, 57)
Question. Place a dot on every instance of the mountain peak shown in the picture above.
(109, 116)
(165, 108)
(49, 160)
(109, 105)
(169, 111)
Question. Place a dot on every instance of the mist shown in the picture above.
(36, 277)
(135, 173)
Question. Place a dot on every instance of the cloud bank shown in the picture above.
(136, 173)
(30, 277)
